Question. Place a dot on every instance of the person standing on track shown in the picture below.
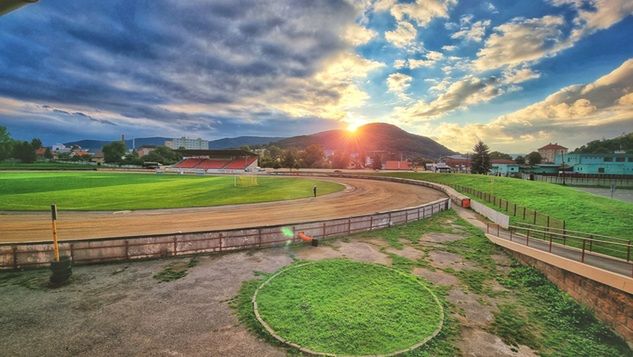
(314, 189)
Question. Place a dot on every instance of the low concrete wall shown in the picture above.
(499, 218)
(610, 305)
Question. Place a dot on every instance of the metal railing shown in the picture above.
(614, 255)
(19, 255)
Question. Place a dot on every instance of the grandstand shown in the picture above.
(216, 161)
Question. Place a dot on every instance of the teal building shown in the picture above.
(504, 168)
(609, 164)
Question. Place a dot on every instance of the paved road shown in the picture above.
(621, 194)
(360, 197)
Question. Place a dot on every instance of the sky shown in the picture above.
(515, 74)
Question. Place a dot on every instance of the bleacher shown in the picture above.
(220, 161)
(188, 163)
(207, 164)
(240, 163)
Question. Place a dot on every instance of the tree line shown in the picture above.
(481, 160)
(23, 151)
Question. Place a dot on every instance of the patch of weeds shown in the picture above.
(560, 326)
(511, 324)
(401, 263)
(414, 230)
(31, 279)
(175, 270)
(475, 280)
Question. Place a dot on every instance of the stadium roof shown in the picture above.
(236, 152)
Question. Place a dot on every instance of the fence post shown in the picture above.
(511, 234)
(524, 213)
(14, 252)
(418, 213)
(550, 243)
(591, 243)
(127, 250)
(72, 253)
(628, 252)
(515, 209)
(323, 230)
(259, 237)
(534, 217)
(175, 246)
(220, 236)
(582, 258)
(349, 226)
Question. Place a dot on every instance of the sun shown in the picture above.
(353, 125)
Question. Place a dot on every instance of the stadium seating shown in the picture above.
(207, 164)
(188, 163)
(240, 163)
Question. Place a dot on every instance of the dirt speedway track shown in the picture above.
(360, 197)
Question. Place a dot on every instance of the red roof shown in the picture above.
(551, 146)
(397, 165)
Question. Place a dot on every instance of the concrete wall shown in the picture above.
(497, 217)
(610, 305)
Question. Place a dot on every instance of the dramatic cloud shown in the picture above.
(398, 83)
(573, 115)
(403, 35)
(422, 11)
(596, 15)
(467, 91)
(189, 65)
(474, 32)
(520, 41)
(429, 60)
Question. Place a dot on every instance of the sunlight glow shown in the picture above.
(354, 124)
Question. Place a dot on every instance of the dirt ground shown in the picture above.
(360, 197)
(120, 309)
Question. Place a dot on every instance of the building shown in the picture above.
(145, 150)
(397, 165)
(503, 167)
(187, 144)
(609, 164)
(550, 151)
(60, 148)
(458, 163)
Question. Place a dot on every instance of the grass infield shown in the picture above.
(339, 306)
(96, 191)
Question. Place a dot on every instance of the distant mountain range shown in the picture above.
(226, 143)
(367, 138)
(372, 137)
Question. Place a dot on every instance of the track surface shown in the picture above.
(360, 197)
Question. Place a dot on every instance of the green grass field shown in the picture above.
(582, 211)
(345, 307)
(31, 191)
(45, 166)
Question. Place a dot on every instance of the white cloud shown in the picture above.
(491, 7)
(422, 11)
(358, 35)
(467, 91)
(430, 59)
(519, 75)
(521, 40)
(576, 114)
(475, 32)
(596, 15)
(398, 83)
(449, 48)
(403, 35)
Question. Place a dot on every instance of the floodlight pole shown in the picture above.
(54, 225)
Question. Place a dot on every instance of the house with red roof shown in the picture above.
(550, 151)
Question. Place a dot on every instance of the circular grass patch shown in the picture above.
(345, 307)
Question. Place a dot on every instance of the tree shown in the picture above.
(312, 156)
(376, 162)
(163, 155)
(48, 154)
(290, 159)
(23, 151)
(496, 155)
(520, 160)
(340, 160)
(480, 159)
(534, 158)
(6, 144)
(114, 152)
(36, 143)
